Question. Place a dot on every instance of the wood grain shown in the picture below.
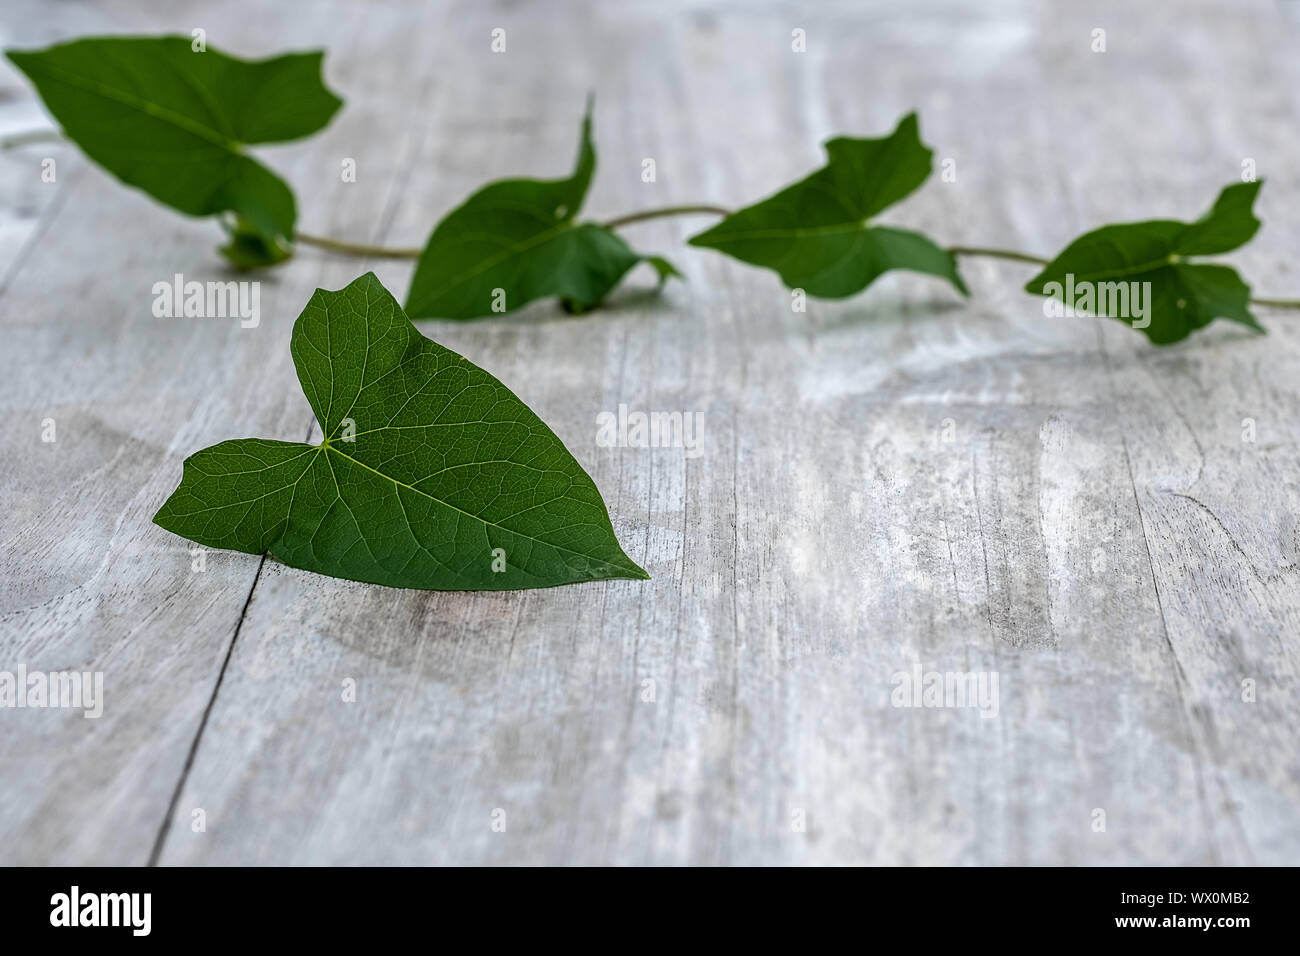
(900, 478)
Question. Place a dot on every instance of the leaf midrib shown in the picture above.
(799, 232)
(446, 504)
(179, 120)
(1170, 260)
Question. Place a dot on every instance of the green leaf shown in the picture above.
(1139, 272)
(428, 467)
(814, 234)
(172, 121)
(665, 269)
(518, 240)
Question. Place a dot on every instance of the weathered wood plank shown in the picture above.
(89, 582)
(901, 478)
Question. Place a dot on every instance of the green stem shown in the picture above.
(357, 248)
(1039, 261)
(342, 247)
(998, 254)
(664, 212)
(361, 249)
(31, 136)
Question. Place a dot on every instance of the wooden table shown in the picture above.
(899, 480)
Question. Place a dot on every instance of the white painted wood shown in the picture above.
(1096, 531)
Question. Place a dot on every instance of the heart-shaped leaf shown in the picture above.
(1139, 272)
(814, 234)
(172, 120)
(432, 474)
(518, 240)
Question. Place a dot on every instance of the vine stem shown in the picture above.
(998, 254)
(343, 247)
(31, 136)
(357, 248)
(362, 249)
(665, 211)
(1040, 261)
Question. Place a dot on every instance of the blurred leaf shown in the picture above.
(518, 240)
(1096, 274)
(814, 234)
(172, 121)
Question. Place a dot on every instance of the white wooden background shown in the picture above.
(1097, 533)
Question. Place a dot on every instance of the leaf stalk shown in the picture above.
(1008, 254)
(664, 212)
(342, 247)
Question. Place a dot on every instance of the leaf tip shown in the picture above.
(1252, 323)
(665, 269)
(955, 277)
(635, 572)
(319, 57)
(161, 517)
(1035, 285)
